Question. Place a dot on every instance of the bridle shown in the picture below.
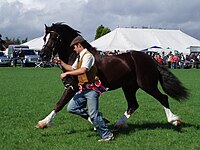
(55, 40)
(52, 46)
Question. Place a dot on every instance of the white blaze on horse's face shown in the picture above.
(46, 50)
(47, 38)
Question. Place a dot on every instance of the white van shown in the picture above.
(11, 48)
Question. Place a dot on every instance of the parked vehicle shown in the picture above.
(30, 57)
(11, 48)
(4, 61)
(194, 56)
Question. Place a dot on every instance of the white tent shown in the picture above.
(36, 43)
(124, 39)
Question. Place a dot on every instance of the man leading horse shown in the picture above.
(89, 88)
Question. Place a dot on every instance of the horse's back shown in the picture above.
(116, 70)
(146, 70)
(143, 61)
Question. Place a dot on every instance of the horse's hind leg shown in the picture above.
(129, 92)
(163, 99)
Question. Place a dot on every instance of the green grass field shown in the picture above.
(29, 94)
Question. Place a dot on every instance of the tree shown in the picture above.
(101, 31)
(14, 41)
(25, 40)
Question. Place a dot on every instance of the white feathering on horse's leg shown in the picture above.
(172, 118)
(122, 122)
(46, 122)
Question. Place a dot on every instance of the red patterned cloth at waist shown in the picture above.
(97, 86)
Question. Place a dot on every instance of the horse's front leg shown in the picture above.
(66, 97)
(132, 106)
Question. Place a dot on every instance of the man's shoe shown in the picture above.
(107, 139)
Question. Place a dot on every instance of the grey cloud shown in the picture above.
(86, 16)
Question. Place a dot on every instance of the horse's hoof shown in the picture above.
(42, 125)
(120, 127)
(176, 122)
(117, 128)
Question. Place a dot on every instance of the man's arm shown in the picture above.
(64, 65)
(76, 72)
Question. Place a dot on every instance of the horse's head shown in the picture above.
(57, 41)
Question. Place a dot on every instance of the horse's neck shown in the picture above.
(72, 58)
(93, 51)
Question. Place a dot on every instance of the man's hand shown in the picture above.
(57, 60)
(62, 75)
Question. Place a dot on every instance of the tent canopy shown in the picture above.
(124, 39)
(36, 43)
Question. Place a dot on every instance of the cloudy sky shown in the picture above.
(26, 18)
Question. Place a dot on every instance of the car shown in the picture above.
(194, 59)
(4, 61)
(30, 57)
(194, 56)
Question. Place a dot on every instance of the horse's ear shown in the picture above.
(45, 26)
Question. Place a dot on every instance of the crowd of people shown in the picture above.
(171, 60)
(177, 60)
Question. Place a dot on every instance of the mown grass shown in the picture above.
(29, 94)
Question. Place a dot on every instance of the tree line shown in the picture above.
(8, 41)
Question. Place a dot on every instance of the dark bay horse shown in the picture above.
(129, 71)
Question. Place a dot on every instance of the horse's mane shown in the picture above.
(63, 26)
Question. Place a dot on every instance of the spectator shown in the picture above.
(21, 56)
(14, 59)
(169, 59)
(159, 59)
(175, 61)
(182, 61)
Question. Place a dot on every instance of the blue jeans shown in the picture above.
(22, 62)
(77, 105)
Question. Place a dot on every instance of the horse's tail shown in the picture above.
(171, 84)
